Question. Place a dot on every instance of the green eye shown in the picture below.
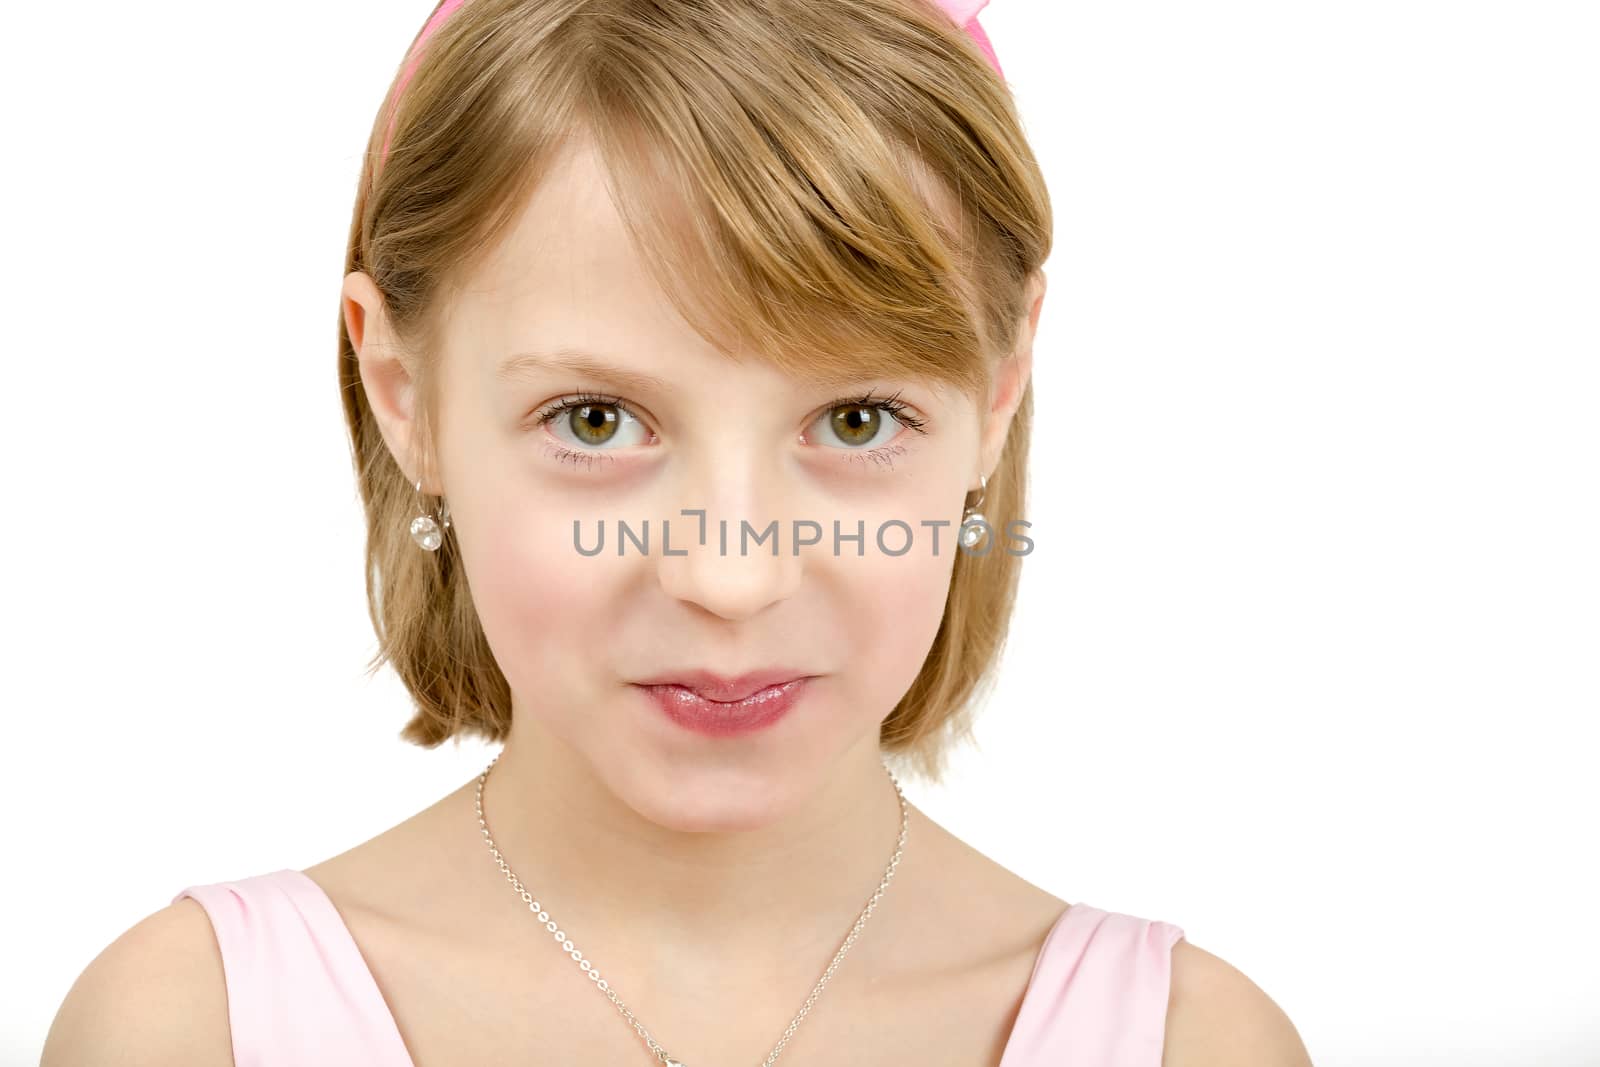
(587, 427)
(594, 424)
(858, 425)
(591, 422)
(861, 422)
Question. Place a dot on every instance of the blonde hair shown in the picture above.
(833, 185)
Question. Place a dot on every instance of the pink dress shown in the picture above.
(300, 993)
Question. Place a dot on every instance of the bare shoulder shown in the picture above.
(1216, 1016)
(155, 995)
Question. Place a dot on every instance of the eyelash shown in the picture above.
(884, 455)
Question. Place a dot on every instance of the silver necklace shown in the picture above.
(594, 975)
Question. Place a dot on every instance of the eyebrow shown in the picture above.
(603, 368)
(578, 361)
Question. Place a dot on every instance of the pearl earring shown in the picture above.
(973, 524)
(424, 530)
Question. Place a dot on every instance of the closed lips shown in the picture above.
(709, 686)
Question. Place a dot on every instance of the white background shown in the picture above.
(1308, 656)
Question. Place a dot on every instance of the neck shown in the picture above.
(730, 862)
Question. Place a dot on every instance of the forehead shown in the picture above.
(566, 266)
(567, 289)
(565, 275)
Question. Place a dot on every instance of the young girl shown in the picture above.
(631, 285)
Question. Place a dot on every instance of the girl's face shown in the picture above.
(573, 395)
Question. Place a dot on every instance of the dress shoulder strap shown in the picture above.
(299, 990)
(1098, 995)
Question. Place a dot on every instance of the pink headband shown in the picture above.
(964, 13)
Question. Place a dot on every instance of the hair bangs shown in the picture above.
(782, 220)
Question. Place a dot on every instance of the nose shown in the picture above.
(747, 561)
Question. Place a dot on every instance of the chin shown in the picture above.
(704, 800)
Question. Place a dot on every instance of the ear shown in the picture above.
(388, 383)
(1011, 381)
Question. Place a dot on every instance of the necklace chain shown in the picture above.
(605, 987)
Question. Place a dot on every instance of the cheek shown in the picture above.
(889, 608)
(558, 623)
(540, 613)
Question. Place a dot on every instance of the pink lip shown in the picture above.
(720, 718)
(716, 687)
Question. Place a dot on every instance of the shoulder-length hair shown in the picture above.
(833, 185)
